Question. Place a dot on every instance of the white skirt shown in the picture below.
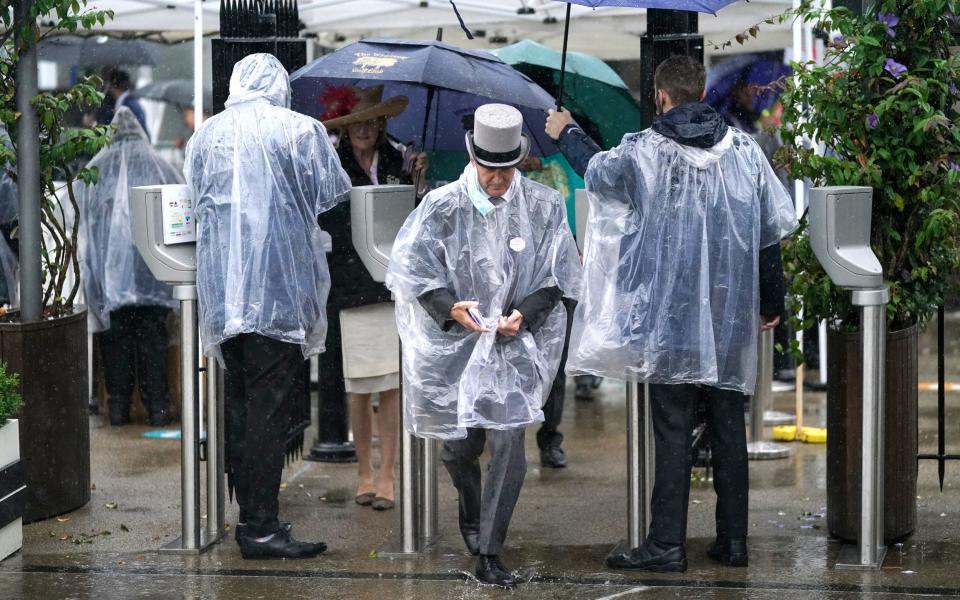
(371, 348)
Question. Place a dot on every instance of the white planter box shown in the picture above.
(11, 476)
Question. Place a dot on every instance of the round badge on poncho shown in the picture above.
(518, 244)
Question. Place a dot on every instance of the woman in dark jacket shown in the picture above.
(362, 356)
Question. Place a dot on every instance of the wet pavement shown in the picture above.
(566, 522)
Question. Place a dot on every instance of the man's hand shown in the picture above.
(510, 326)
(767, 324)
(459, 314)
(556, 122)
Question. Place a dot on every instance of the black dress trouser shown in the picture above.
(549, 436)
(674, 410)
(263, 382)
(134, 351)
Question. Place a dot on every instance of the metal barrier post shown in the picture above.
(409, 493)
(418, 490)
(215, 465)
(871, 549)
(758, 449)
(639, 466)
(428, 507)
(189, 422)
(194, 539)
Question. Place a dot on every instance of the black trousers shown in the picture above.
(549, 436)
(674, 409)
(262, 385)
(134, 351)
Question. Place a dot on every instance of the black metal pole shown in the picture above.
(333, 423)
(426, 120)
(563, 59)
(430, 92)
(28, 167)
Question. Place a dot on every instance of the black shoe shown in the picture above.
(492, 572)
(160, 418)
(651, 556)
(785, 376)
(241, 530)
(280, 546)
(584, 392)
(119, 415)
(732, 553)
(553, 458)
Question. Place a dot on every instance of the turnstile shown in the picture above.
(840, 237)
(377, 213)
(164, 232)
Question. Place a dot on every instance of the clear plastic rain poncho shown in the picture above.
(114, 274)
(671, 280)
(9, 203)
(260, 174)
(9, 210)
(457, 379)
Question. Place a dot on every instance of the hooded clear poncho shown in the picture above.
(457, 379)
(671, 272)
(113, 272)
(9, 203)
(260, 175)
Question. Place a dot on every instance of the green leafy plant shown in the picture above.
(882, 111)
(61, 147)
(10, 400)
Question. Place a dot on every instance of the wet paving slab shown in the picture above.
(566, 522)
(780, 567)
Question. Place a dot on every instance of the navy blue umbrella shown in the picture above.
(704, 6)
(756, 71)
(444, 84)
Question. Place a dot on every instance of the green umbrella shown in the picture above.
(593, 92)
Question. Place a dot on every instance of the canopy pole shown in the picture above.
(28, 167)
(197, 64)
(563, 58)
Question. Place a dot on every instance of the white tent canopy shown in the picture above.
(610, 33)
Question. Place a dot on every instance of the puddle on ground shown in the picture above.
(337, 497)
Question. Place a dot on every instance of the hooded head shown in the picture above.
(127, 126)
(259, 77)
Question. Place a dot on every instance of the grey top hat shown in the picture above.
(496, 140)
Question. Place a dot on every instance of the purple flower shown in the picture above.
(890, 21)
(873, 120)
(954, 166)
(954, 90)
(894, 68)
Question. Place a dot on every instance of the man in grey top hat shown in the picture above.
(478, 271)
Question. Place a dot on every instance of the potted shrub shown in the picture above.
(885, 107)
(50, 355)
(13, 494)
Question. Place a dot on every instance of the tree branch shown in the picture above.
(72, 254)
